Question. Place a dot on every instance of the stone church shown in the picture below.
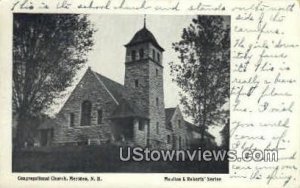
(100, 110)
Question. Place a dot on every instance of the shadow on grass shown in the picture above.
(104, 158)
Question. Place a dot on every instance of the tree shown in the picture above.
(225, 135)
(48, 50)
(203, 73)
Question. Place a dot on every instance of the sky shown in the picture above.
(114, 31)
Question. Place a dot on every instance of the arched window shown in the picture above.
(86, 111)
(141, 125)
(158, 57)
(187, 141)
(179, 142)
(141, 53)
(133, 54)
(72, 117)
(168, 139)
(100, 116)
(153, 54)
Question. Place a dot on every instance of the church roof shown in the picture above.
(197, 129)
(144, 35)
(169, 114)
(116, 89)
(126, 109)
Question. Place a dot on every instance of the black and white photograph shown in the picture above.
(135, 93)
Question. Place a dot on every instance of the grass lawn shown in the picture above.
(103, 158)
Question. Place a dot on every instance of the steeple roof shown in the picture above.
(142, 36)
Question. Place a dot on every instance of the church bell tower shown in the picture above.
(144, 81)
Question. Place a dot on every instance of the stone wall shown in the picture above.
(148, 96)
(149, 73)
(178, 131)
(89, 88)
(138, 71)
(157, 111)
(140, 136)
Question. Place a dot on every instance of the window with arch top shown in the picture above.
(169, 139)
(100, 116)
(86, 113)
(72, 117)
(136, 83)
(141, 53)
(153, 54)
(133, 55)
(179, 142)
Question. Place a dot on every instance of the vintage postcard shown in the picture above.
(125, 93)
